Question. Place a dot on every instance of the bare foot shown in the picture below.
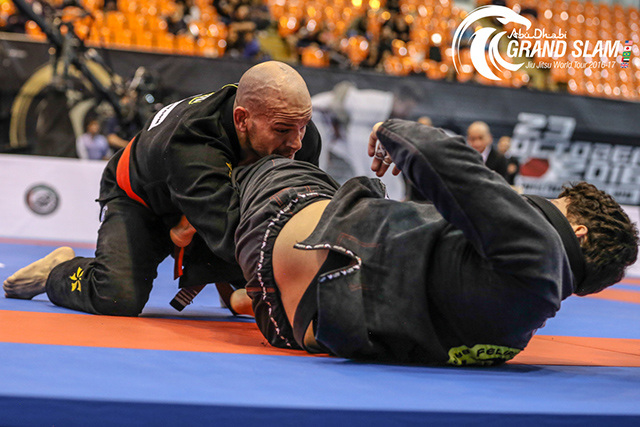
(241, 303)
(182, 234)
(30, 281)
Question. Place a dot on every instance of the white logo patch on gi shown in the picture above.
(103, 214)
(163, 114)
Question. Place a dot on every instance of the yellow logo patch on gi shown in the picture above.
(76, 278)
(230, 168)
(200, 98)
(481, 354)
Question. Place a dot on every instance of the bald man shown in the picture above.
(480, 139)
(180, 163)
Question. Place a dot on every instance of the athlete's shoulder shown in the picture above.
(214, 97)
(185, 110)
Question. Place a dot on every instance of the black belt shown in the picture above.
(307, 310)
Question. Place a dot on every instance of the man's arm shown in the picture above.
(116, 142)
(311, 145)
(200, 185)
(502, 226)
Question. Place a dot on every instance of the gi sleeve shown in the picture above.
(311, 145)
(498, 222)
(199, 182)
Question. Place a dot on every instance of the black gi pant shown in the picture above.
(132, 242)
(465, 280)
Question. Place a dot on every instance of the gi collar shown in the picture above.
(229, 127)
(568, 236)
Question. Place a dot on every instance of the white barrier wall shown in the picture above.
(48, 198)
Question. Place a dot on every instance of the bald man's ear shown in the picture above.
(240, 118)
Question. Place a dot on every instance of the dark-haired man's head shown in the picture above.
(608, 238)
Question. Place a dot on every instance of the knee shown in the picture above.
(119, 307)
(123, 297)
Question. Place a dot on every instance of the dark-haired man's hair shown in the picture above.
(611, 244)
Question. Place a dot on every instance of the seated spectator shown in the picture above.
(91, 144)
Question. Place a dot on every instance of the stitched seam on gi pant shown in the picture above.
(335, 274)
(279, 217)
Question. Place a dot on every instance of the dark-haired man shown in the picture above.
(467, 279)
(180, 163)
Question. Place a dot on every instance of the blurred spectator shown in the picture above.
(225, 9)
(384, 47)
(399, 26)
(243, 44)
(119, 134)
(313, 35)
(15, 21)
(309, 33)
(480, 139)
(359, 26)
(176, 23)
(251, 45)
(110, 5)
(242, 41)
(91, 144)
(513, 166)
(191, 11)
(241, 20)
(393, 5)
(259, 14)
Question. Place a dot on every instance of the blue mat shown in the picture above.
(81, 386)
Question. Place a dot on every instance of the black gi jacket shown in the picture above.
(181, 163)
(466, 280)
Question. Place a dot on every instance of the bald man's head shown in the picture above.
(273, 88)
(479, 136)
(271, 111)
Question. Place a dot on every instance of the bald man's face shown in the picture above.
(276, 130)
(271, 112)
(273, 135)
(478, 138)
